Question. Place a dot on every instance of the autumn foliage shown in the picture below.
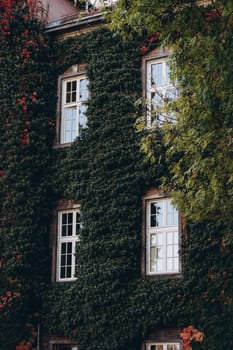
(190, 335)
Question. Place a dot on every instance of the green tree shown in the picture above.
(199, 156)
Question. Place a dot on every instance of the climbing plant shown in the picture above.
(26, 111)
(109, 305)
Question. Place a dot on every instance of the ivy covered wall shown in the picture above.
(109, 306)
(27, 104)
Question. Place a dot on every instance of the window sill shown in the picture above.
(174, 275)
(62, 145)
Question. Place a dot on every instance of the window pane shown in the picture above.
(68, 272)
(153, 240)
(157, 98)
(70, 124)
(156, 214)
(78, 223)
(170, 93)
(64, 219)
(70, 218)
(63, 260)
(69, 230)
(169, 251)
(69, 248)
(63, 248)
(74, 85)
(159, 237)
(69, 261)
(63, 231)
(83, 90)
(175, 237)
(153, 253)
(170, 238)
(153, 266)
(62, 272)
(176, 264)
(157, 74)
(71, 91)
(172, 214)
(68, 87)
(170, 264)
(82, 118)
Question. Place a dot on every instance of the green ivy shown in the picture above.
(26, 133)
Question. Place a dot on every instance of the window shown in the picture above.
(162, 238)
(159, 90)
(56, 343)
(69, 226)
(99, 3)
(73, 107)
(164, 339)
(64, 347)
(163, 346)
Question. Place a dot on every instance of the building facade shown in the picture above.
(118, 267)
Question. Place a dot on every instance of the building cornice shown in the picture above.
(73, 23)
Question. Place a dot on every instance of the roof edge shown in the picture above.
(68, 23)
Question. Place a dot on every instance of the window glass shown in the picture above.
(162, 237)
(157, 74)
(156, 217)
(159, 91)
(65, 347)
(165, 346)
(83, 90)
(69, 226)
(75, 94)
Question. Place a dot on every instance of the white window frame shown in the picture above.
(78, 103)
(163, 345)
(62, 343)
(71, 347)
(73, 239)
(161, 90)
(168, 248)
